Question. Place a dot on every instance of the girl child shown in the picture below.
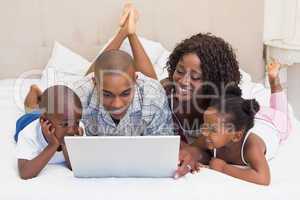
(237, 131)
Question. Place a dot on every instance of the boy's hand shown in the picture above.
(217, 164)
(49, 133)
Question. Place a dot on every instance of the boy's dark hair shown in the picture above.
(237, 111)
(218, 60)
(58, 98)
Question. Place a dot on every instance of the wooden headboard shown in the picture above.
(28, 28)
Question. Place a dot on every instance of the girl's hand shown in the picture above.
(217, 164)
(49, 133)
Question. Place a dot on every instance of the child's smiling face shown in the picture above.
(217, 130)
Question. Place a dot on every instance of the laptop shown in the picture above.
(123, 156)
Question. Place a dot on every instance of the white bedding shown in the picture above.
(57, 181)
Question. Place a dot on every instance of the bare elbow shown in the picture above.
(26, 176)
(266, 181)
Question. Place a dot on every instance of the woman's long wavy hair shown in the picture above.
(218, 60)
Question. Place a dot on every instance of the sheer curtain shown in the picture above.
(282, 21)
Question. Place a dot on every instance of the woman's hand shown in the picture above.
(188, 161)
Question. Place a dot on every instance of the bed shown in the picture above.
(57, 181)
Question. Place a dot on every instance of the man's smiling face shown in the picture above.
(116, 91)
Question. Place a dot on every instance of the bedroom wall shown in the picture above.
(28, 28)
(293, 88)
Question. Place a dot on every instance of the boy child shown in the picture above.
(41, 142)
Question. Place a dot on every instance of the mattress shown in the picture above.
(57, 182)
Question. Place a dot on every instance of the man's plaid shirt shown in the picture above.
(148, 114)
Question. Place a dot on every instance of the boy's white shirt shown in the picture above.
(31, 143)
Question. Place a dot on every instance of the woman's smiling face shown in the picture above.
(187, 77)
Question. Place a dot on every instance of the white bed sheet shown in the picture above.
(57, 181)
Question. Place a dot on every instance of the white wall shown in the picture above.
(293, 83)
(28, 28)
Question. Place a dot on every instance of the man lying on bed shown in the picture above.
(41, 140)
(117, 101)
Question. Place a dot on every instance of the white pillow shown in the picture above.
(52, 77)
(160, 66)
(158, 55)
(245, 76)
(65, 60)
(64, 67)
(153, 49)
